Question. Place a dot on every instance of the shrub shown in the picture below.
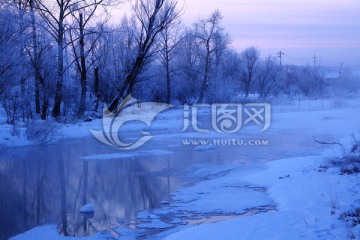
(41, 131)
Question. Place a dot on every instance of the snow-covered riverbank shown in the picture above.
(289, 198)
(306, 202)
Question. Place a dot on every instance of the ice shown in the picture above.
(308, 204)
(129, 234)
(125, 155)
(146, 216)
(49, 232)
(154, 224)
(225, 195)
(206, 170)
(304, 201)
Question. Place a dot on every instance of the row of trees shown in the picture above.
(60, 57)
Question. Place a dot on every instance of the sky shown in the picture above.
(329, 29)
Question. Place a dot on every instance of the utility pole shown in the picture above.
(280, 54)
(341, 67)
(315, 57)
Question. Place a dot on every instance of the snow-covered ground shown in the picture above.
(307, 203)
(295, 199)
(333, 116)
(292, 198)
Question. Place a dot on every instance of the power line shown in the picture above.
(294, 58)
(315, 59)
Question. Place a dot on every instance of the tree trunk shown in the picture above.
(167, 68)
(44, 108)
(129, 82)
(35, 57)
(96, 88)
(168, 80)
(206, 73)
(60, 72)
(83, 68)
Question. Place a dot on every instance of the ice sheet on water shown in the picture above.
(146, 215)
(129, 234)
(126, 155)
(207, 169)
(154, 224)
(308, 202)
(49, 232)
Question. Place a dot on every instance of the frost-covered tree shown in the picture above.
(56, 14)
(250, 67)
(13, 69)
(168, 49)
(84, 36)
(266, 80)
(186, 84)
(151, 18)
(114, 53)
(212, 42)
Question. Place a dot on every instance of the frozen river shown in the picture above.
(50, 183)
(40, 184)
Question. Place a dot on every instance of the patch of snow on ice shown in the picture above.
(88, 208)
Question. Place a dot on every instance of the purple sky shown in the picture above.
(300, 28)
(329, 29)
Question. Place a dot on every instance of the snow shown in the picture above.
(129, 234)
(49, 232)
(151, 221)
(146, 215)
(82, 129)
(88, 208)
(289, 117)
(154, 224)
(204, 171)
(225, 195)
(304, 204)
(289, 198)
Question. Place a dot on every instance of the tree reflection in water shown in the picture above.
(49, 184)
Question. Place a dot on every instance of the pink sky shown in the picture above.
(300, 28)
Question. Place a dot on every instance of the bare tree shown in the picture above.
(169, 40)
(55, 14)
(188, 63)
(211, 38)
(34, 57)
(312, 83)
(83, 40)
(267, 77)
(33, 48)
(152, 17)
(250, 58)
(13, 69)
(113, 53)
